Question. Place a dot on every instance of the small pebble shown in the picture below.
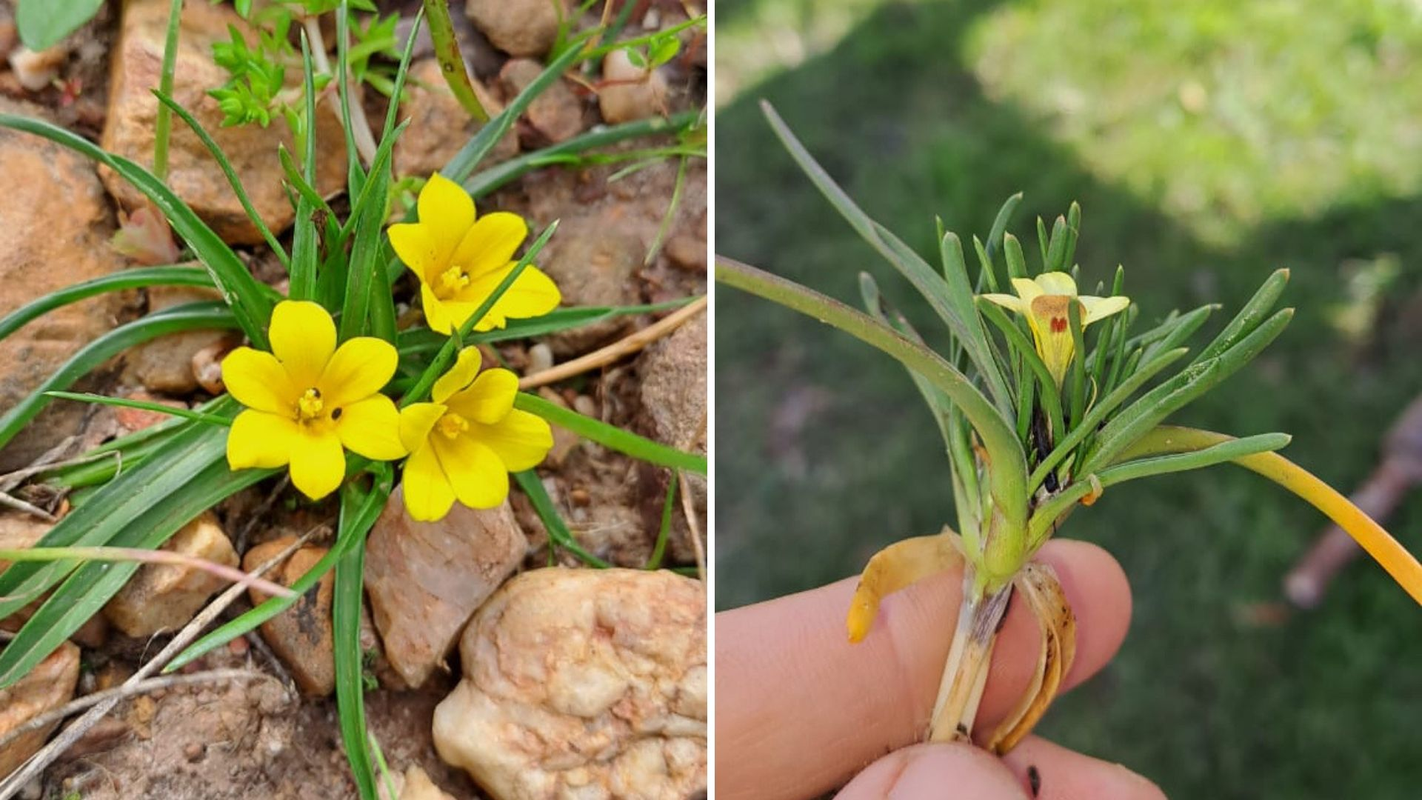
(540, 359)
(580, 497)
(585, 405)
(193, 752)
(238, 646)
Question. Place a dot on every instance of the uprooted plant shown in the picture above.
(1041, 410)
(330, 389)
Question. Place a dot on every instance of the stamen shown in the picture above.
(451, 425)
(309, 406)
(450, 282)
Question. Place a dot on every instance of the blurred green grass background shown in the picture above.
(1208, 143)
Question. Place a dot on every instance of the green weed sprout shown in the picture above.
(129, 496)
(1040, 414)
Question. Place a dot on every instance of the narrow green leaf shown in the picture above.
(664, 530)
(124, 402)
(196, 316)
(232, 178)
(610, 436)
(1249, 317)
(137, 278)
(305, 239)
(1009, 463)
(999, 226)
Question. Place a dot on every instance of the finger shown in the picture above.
(799, 709)
(1037, 769)
(1057, 773)
(937, 771)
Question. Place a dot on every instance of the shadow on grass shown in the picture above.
(825, 452)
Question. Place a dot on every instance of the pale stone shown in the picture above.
(165, 597)
(582, 683)
(517, 27)
(632, 92)
(165, 364)
(439, 126)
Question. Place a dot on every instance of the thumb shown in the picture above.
(946, 771)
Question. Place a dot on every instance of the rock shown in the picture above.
(165, 597)
(557, 113)
(37, 70)
(49, 685)
(673, 393)
(165, 364)
(136, 419)
(193, 173)
(687, 252)
(517, 27)
(630, 92)
(57, 224)
(439, 126)
(582, 683)
(418, 786)
(594, 260)
(425, 579)
(301, 636)
(673, 378)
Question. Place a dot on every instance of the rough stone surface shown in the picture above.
(165, 597)
(301, 636)
(55, 231)
(425, 579)
(673, 373)
(193, 174)
(557, 113)
(583, 683)
(165, 364)
(594, 260)
(49, 685)
(439, 126)
(416, 785)
(517, 27)
(630, 92)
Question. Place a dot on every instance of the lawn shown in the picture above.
(1207, 148)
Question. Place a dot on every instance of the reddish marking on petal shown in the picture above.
(1059, 324)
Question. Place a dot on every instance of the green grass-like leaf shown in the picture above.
(137, 278)
(195, 316)
(610, 435)
(558, 533)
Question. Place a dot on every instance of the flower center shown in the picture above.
(450, 282)
(451, 425)
(309, 406)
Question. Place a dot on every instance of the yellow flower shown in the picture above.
(1045, 302)
(464, 444)
(460, 261)
(307, 400)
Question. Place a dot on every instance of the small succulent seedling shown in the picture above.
(1046, 398)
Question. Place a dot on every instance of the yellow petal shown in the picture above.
(257, 380)
(358, 369)
(1098, 308)
(491, 243)
(303, 337)
(1026, 289)
(371, 427)
(1051, 327)
(417, 249)
(520, 439)
(532, 294)
(259, 439)
(428, 494)
(489, 399)
(416, 420)
(446, 212)
(318, 464)
(475, 472)
(1007, 301)
(1056, 283)
(436, 314)
(459, 376)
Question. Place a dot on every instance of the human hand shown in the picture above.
(799, 710)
